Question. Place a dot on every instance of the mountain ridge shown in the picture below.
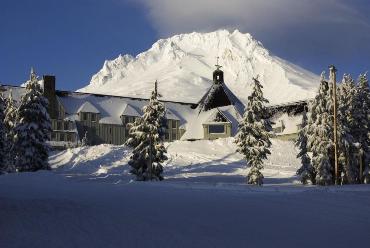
(183, 65)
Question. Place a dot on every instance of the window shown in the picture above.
(59, 125)
(66, 125)
(110, 130)
(61, 136)
(174, 124)
(84, 116)
(166, 136)
(53, 136)
(93, 117)
(129, 119)
(174, 135)
(217, 129)
(69, 137)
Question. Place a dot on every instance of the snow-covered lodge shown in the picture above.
(103, 118)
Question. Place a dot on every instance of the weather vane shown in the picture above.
(217, 65)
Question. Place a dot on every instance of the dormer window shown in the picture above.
(84, 116)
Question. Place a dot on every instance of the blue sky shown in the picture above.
(71, 39)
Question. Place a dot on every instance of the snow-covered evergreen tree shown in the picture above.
(10, 122)
(306, 172)
(320, 134)
(146, 139)
(85, 140)
(253, 139)
(361, 131)
(33, 129)
(3, 144)
(347, 151)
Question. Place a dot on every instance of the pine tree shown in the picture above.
(3, 145)
(10, 122)
(85, 140)
(347, 159)
(253, 139)
(146, 139)
(306, 172)
(33, 129)
(320, 134)
(362, 123)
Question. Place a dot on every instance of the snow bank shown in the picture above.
(203, 161)
(89, 200)
(45, 209)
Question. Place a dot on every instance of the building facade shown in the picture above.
(104, 118)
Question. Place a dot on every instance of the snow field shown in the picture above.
(202, 161)
(90, 200)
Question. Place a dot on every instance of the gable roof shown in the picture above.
(194, 130)
(88, 108)
(212, 118)
(170, 115)
(128, 110)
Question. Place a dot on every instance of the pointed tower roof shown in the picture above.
(219, 94)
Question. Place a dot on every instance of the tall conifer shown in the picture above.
(33, 129)
(253, 139)
(146, 139)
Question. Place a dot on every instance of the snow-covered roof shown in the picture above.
(111, 108)
(110, 120)
(211, 118)
(88, 108)
(17, 92)
(73, 117)
(195, 129)
(229, 94)
(128, 110)
(170, 115)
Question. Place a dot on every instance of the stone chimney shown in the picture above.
(49, 93)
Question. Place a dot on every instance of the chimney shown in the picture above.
(49, 93)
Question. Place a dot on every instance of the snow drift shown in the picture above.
(205, 162)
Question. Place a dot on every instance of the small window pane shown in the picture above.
(93, 117)
(216, 129)
(61, 136)
(53, 136)
(174, 135)
(84, 116)
(59, 125)
(174, 124)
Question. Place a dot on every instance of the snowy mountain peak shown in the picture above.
(183, 65)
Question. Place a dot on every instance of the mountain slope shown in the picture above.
(183, 65)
